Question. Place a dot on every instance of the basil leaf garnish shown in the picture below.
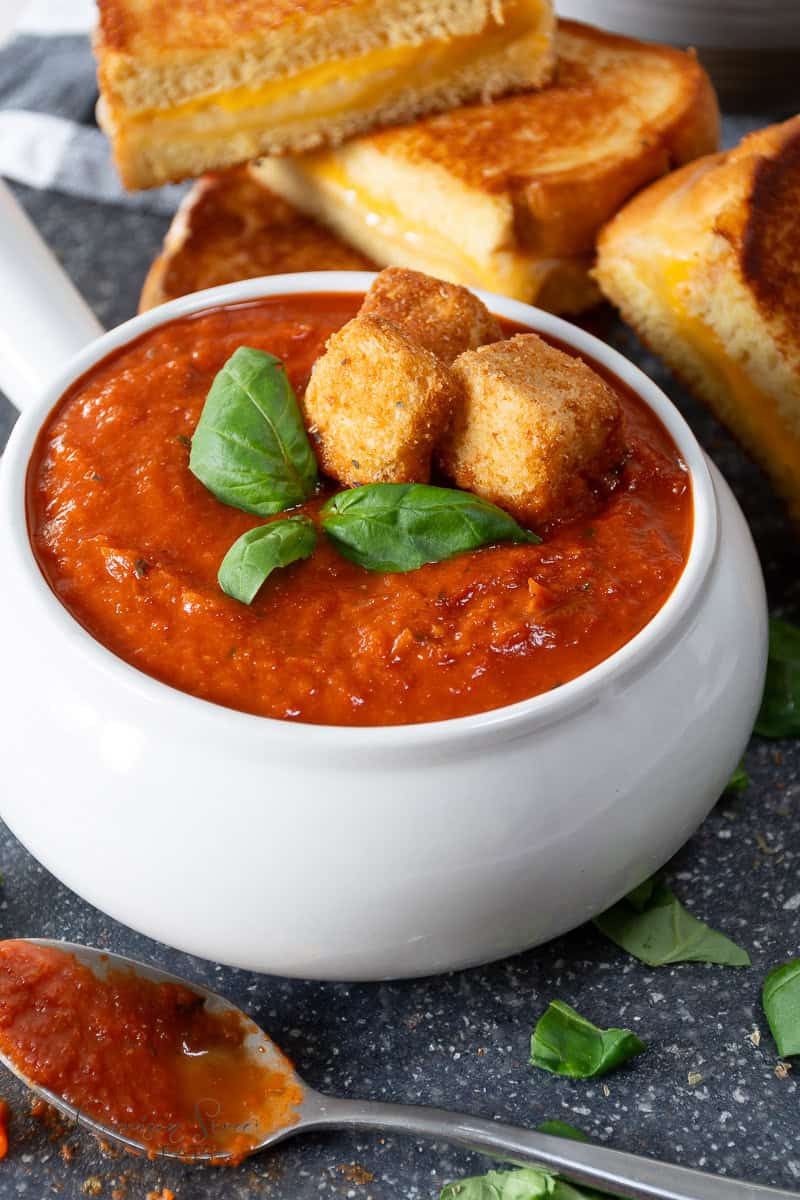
(257, 553)
(526, 1183)
(739, 780)
(779, 715)
(565, 1043)
(250, 448)
(402, 526)
(781, 1000)
(652, 925)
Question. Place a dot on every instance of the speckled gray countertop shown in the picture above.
(462, 1040)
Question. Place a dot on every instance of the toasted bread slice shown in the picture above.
(376, 404)
(510, 196)
(443, 317)
(227, 228)
(705, 266)
(536, 429)
(194, 85)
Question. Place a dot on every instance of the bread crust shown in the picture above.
(228, 228)
(704, 266)
(160, 28)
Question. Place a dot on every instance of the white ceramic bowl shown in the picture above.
(741, 24)
(367, 853)
(749, 47)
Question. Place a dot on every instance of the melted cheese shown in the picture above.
(502, 271)
(510, 271)
(366, 80)
(758, 410)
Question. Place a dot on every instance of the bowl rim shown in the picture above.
(535, 712)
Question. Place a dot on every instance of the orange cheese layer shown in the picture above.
(761, 411)
(505, 271)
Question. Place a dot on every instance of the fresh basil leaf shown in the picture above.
(659, 930)
(739, 780)
(781, 1000)
(641, 896)
(563, 1129)
(402, 526)
(779, 715)
(257, 553)
(565, 1043)
(526, 1183)
(250, 448)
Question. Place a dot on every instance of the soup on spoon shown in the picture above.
(162, 1065)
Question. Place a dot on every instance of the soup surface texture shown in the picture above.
(131, 544)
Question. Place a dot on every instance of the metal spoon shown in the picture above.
(626, 1175)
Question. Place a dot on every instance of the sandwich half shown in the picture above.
(705, 266)
(194, 85)
(228, 228)
(510, 195)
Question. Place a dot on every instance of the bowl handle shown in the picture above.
(43, 319)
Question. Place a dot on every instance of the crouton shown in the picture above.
(376, 404)
(443, 317)
(535, 431)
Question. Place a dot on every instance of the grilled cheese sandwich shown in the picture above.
(191, 86)
(510, 195)
(704, 266)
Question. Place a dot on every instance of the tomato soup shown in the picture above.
(131, 543)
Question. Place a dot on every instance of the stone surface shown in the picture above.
(461, 1041)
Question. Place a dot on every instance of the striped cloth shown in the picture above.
(49, 138)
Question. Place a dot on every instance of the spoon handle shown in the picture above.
(615, 1171)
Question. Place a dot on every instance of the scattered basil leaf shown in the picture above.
(739, 780)
(250, 448)
(566, 1043)
(402, 526)
(779, 715)
(781, 1000)
(563, 1129)
(525, 1183)
(657, 929)
(257, 553)
(641, 896)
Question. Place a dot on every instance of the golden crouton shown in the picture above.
(443, 317)
(376, 404)
(535, 430)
